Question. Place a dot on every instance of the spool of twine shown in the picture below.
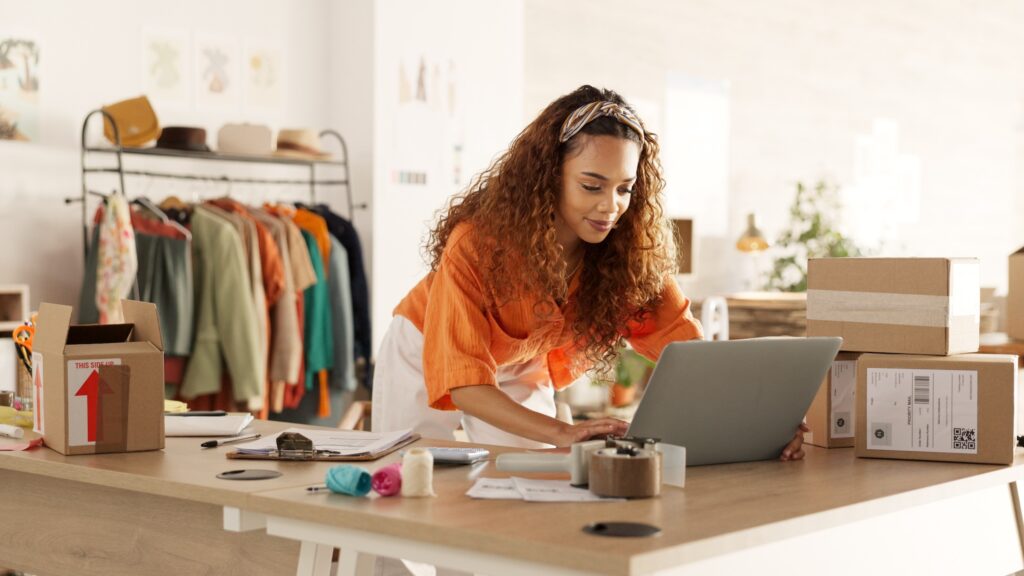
(388, 480)
(418, 473)
(348, 479)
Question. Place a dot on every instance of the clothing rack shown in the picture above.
(120, 151)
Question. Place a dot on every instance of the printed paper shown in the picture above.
(922, 410)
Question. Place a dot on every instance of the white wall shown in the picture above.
(807, 81)
(484, 42)
(343, 61)
(91, 54)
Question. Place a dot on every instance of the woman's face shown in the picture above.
(597, 183)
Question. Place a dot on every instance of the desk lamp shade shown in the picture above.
(752, 239)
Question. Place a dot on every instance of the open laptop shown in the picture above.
(733, 401)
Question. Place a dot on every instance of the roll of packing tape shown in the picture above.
(417, 473)
(625, 473)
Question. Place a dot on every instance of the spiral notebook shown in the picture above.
(329, 445)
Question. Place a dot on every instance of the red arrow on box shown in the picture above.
(91, 390)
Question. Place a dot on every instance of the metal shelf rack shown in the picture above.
(119, 152)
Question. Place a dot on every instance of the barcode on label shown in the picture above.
(965, 439)
(922, 389)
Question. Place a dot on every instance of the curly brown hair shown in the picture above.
(512, 207)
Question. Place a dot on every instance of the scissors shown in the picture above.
(24, 335)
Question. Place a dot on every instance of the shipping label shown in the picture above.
(922, 410)
(844, 387)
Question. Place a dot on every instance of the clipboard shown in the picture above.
(314, 456)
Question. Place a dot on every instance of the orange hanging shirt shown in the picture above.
(316, 225)
(465, 341)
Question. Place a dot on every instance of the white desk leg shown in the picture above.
(1015, 495)
(238, 520)
(355, 563)
(314, 559)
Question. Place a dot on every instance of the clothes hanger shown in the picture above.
(227, 181)
(148, 204)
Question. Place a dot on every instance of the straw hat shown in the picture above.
(300, 143)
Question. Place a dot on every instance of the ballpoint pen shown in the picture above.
(215, 443)
(320, 488)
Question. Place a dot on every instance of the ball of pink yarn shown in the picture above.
(388, 480)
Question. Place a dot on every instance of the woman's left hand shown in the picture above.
(794, 450)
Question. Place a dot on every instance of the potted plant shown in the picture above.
(631, 372)
(622, 393)
(812, 233)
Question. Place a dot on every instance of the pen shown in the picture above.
(215, 443)
(24, 356)
(313, 489)
(199, 413)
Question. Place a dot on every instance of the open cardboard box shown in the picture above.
(99, 388)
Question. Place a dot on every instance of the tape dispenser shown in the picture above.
(580, 462)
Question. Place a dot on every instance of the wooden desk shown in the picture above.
(160, 512)
(166, 513)
(831, 513)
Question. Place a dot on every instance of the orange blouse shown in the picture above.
(466, 341)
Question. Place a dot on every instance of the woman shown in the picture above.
(552, 256)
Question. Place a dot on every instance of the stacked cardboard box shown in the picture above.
(921, 394)
(832, 412)
(1015, 297)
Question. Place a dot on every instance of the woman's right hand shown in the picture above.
(569, 434)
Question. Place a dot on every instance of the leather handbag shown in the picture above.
(136, 122)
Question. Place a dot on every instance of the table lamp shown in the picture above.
(753, 239)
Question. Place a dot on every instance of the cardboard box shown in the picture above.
(948, 408)
(102, 386)
(832, 413)
(896, 305)
(1015, 297)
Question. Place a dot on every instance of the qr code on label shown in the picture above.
(965, 439)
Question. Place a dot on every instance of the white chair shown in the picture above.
(714, 316)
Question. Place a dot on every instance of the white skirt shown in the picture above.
(400, 393)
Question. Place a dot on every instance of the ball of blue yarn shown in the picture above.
(348, 479)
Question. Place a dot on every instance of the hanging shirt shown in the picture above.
(320, 332)
(225, 313)
(117, 260)
(165, 279)
(319, 336)
(346, 234)
(343, 375)
(250, 242)
(315, 224)
(272, 277)
(285, 338)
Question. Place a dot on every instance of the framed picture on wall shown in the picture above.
(218, 78)
(19, 88)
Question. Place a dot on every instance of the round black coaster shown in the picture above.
(622, 529)
(255, 474)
